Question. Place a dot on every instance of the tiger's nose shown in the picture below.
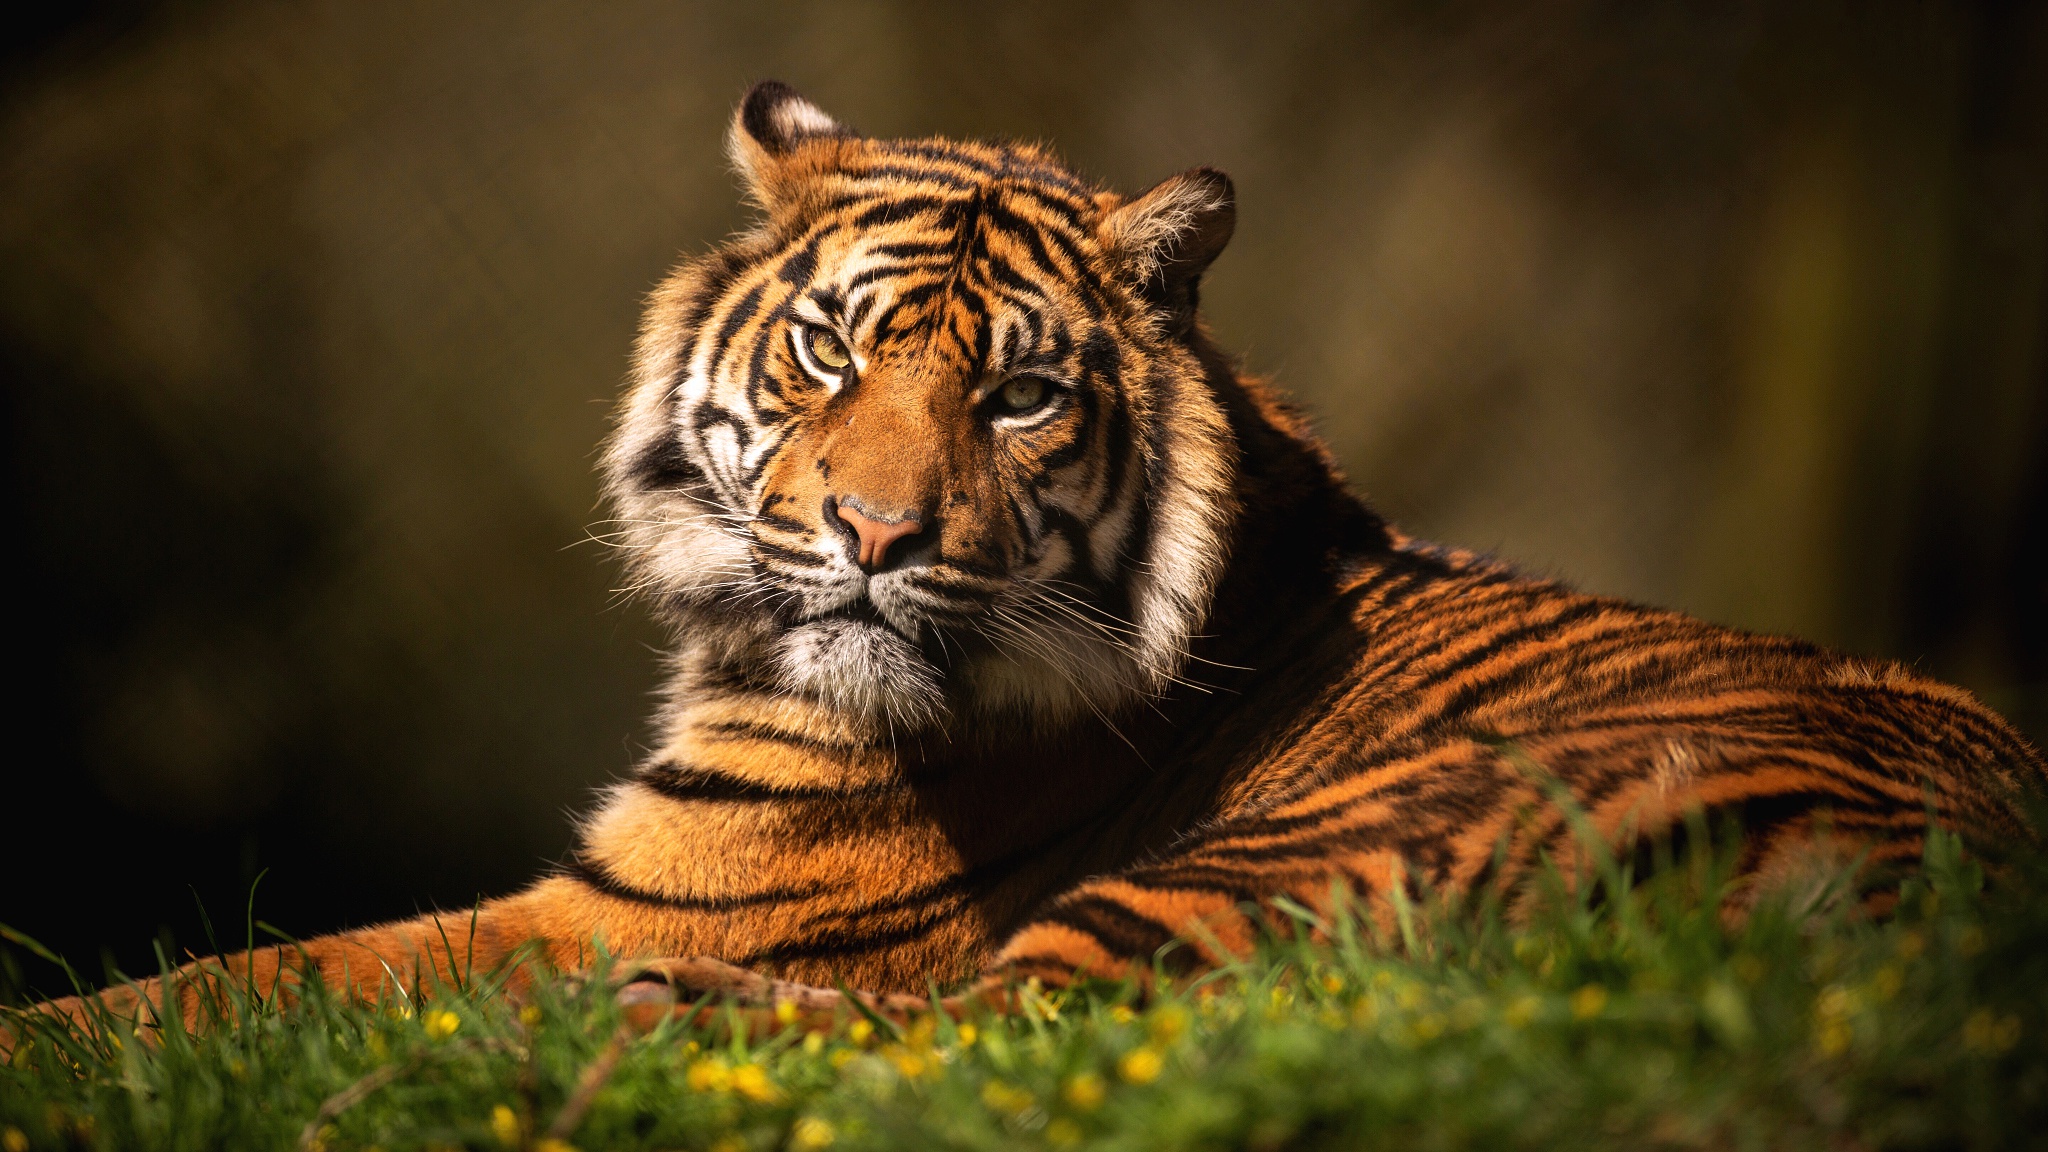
(876, 535)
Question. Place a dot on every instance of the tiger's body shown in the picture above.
(1020, 634)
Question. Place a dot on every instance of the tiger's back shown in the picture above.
(1018, 632)
(1443, 703)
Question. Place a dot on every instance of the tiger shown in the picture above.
(1020, 633)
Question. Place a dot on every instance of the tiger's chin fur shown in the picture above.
(862, 668)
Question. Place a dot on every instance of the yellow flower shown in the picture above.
(751, 1081)
(729, 1144)
(909, 1061)
(785, 1012)
(1831, 1010)
(1140, 1065)
(1835, 1000)
(1429, 1026)
(1279, 1001)
(550, 1144)
(1122, 1014)
(505, 1126)
(1085, 1091)
(1008, 1099)
(441, 1024)
(1522, 1011)
(1985, 1032)
(1169, 1022)
(13, 1139)
(968, 1035)
(840, 1058)
(859, 1031)
(709, 1076)
(1062, 1133)
(1588, 1002)
(810, 1132)
(1832, 1038)
(530, 1015)
(814, 1043)
(1333, 983)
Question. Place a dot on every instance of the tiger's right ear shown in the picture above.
(769, 130)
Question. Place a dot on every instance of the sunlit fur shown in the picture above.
(1147, 666)
(1070, 553)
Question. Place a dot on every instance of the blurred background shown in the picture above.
(311, 316)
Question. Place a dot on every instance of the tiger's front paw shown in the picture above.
(702, 989)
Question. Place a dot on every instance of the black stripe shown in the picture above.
(746, 730)
(678, 782)
(891, 211)
(604, 882)
(799, 266)
(742, 311)
(665, 464)
(789, 556)
(1122, 930)
(893, 268)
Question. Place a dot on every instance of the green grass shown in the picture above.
(1633, 1021)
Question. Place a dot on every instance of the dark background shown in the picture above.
(311, 316)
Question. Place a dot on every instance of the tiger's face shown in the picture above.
(932, 436)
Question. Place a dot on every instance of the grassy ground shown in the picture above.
(1632, 1022)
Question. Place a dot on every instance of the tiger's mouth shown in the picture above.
(894, 602)
(862, 610)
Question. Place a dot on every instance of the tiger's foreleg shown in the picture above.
(503, 938)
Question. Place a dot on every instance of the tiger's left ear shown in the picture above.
(769, 131)
(1167, 236)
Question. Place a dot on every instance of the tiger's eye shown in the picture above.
(1023, 394)
(828, 350)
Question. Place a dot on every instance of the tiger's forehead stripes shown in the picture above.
(945, 279)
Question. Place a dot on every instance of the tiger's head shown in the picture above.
(933, 437)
